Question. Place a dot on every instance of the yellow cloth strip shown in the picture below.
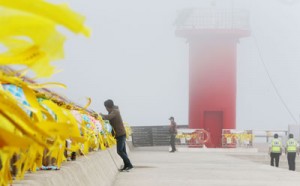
(61, 14)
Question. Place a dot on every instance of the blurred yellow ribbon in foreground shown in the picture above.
(28, 32)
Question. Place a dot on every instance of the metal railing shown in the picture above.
(249, 138)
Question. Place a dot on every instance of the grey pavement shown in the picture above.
(207, 168)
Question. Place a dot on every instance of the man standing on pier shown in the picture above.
(116, 122)
(173, 133)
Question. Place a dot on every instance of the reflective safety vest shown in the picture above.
(276, 146)
(291, 145)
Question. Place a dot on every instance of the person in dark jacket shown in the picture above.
(173, 133)
(116, 122)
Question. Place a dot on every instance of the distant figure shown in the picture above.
(116, 122)
(291, 150)
(173, 133)
(275, 150)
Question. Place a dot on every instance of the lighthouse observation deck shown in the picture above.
(192, 22)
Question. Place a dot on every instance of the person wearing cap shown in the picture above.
(291, 150)
(275, 150)
(116, 122)
(173, 133)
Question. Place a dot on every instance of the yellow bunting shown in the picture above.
(58, 13)
(47, 85)
(28, 31)
(10, 139)
(35, 126)
(5, 175)
(14, 114)
(88, 103)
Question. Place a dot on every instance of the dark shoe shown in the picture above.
(124, 168)
(172, 151)
(129, 167)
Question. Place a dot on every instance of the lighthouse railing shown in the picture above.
(213, 19)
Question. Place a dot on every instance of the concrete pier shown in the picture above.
(157, 167)
(212, 167)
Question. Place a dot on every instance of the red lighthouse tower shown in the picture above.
(212, 35)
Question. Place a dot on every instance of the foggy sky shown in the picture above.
(134, 58)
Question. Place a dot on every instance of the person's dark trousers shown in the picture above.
(121, 150)
(291, 156)
(275, 156)
(172, 142)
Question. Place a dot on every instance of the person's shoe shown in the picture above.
(129, 167)
(172, 151)
(124, 168)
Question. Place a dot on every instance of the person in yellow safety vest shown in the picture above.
(275, 150)
(291, 150)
